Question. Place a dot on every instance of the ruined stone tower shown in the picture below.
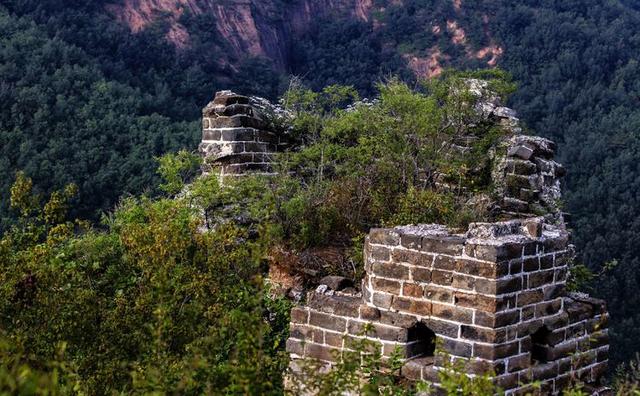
(238, 135)
(493, 296)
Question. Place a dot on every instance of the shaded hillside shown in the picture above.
(575, 62)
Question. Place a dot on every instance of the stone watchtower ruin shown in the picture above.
(494, 296)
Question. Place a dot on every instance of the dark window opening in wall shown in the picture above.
(540, 345)
(422, 341)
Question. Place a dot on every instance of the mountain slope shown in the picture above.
(575, 61)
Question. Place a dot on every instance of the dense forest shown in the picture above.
(85, 101)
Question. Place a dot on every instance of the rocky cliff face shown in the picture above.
(249, 27)
(266, 28)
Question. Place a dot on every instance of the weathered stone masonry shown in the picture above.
(237, 137)
(493, 296)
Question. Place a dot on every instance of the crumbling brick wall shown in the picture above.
(237, 137)
(493, 296)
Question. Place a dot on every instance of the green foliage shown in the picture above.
(627, 378)
(18, 378)
(455, 381)
(177, 169)
(149, 305)
(349, 156)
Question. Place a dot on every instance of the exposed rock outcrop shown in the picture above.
(256, 28)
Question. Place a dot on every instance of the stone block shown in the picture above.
(477, 301)
(300, 332)
(440, 327)
(267, 137)
(575, 330)
(321, 352)
(381, 253)
(479, 334)
(450, 245)
(530, 264)
(412, 370)
(439, 294)
(299, 315)
(387, 286)
(226, 98)
(464, 282)
(341, 305)
(480, 268)
(498, 351)
(422, 275)
(529, 297)
(521, 167)
(556, 321)
(483, 367)
(517, 363)
(412, 257)
(523, 152)
(494, 252)
(382, 300)
(544, 371)
(410, 241)
(529, 195)
(456, 347)
(236, 159)
(508, 381)
(547, 261)
(397, 319)
(391, 270)
(236, 121)
(562, 350)
(515, 267)
(444, 278)
(412, 290)
(417, 307)
(452, 313)
(509, 285)
(384, 236)
(500, 286)
(554, 291)
(238, 135)
(599, 339)
(211, 135)
(528, 312)
(548, 308)
(497, 320)
(326, 321)
(333, 339)
(541, 278)
(369, 313)
(380, 331)
(446, 263)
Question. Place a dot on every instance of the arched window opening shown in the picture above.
(422, 341)
(540, 345)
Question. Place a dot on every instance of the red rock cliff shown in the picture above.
(250, 27)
